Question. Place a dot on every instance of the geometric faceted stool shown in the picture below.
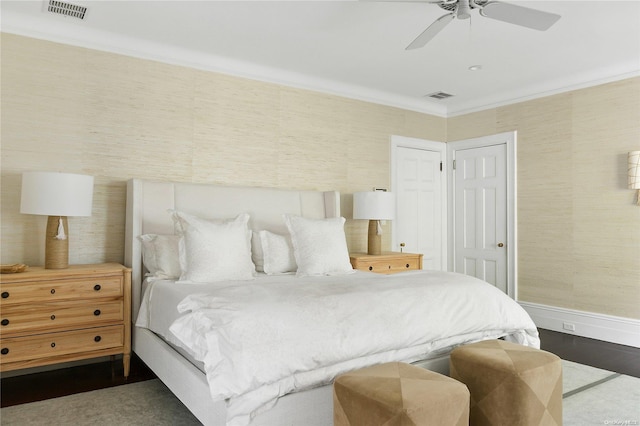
(399, 394)
(510, 384)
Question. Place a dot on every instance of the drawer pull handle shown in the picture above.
(5, 322)
(4, 351)
(53, 344)
(407, 265)
(5, 294)
(96, 312)
(53, 317)
(97, 287)
(371, 268)
(97, 339)
(53, 291)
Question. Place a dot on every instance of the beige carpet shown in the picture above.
(591, 397)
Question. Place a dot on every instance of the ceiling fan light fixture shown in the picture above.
(463, 11)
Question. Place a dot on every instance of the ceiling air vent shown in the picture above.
(67, 9)
(438, 95)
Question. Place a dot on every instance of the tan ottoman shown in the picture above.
(510, 384)
(399, 394)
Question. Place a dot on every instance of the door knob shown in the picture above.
(500, 245)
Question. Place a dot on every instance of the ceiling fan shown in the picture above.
(506, 12)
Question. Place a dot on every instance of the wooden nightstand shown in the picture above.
(50, 316)
(387, 262)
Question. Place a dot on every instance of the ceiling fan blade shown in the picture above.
(431, 31)
(519, 15)
(404, 1)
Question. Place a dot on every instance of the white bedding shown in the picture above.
(264, 338)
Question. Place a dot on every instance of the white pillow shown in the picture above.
(319, 245)
(257, 254)
(214, 250)
(160, 255)
(278, 255)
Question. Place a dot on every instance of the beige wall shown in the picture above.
(578, 227)
(115, 117)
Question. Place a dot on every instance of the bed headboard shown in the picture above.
(148, 202)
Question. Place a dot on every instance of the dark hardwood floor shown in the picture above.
(56, 383)
(596, 353)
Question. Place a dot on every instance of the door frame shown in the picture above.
(426, 145)
(510, 140)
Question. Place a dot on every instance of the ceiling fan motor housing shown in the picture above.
(452, 6)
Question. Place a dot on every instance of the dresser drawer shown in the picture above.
(64, 343)
(20, 319)
(30, 292)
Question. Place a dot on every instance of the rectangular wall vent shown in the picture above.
(438, 95)
(67, 9)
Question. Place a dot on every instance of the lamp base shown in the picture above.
(375, 239)
(56, 249)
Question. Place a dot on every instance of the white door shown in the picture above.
(420, 204)
(480, 218)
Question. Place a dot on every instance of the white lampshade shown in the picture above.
(634, 169)
(56, 194)
(374, 205)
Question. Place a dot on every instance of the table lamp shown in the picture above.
(56, 195)
(376, 206)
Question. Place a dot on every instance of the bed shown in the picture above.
(168, 313)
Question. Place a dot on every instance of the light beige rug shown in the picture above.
(598, 397)
(591, 397)
(147, 403)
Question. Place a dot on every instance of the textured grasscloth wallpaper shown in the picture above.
(116, 117)
(578, 227)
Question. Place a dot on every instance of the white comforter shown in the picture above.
(262, 339)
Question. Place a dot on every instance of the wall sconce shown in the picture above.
(56, 195)
(374, 205)
(633, 160)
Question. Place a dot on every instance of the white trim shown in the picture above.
(427, 145)
(624, 331)
(510, 140)
(544, 90)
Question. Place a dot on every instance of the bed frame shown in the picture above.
(147, 205)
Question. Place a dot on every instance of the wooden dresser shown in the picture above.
(50, 316)
(387, 262)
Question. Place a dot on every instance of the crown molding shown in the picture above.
(51, 30)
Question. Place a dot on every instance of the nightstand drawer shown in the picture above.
(18, 318)
(386, 263)
(409, 264)
(64, 343)
(28, 292)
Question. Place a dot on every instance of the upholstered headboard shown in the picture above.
(148, 203)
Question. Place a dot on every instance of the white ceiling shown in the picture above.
(356, 48)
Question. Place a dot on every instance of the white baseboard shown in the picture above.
(624, 331)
